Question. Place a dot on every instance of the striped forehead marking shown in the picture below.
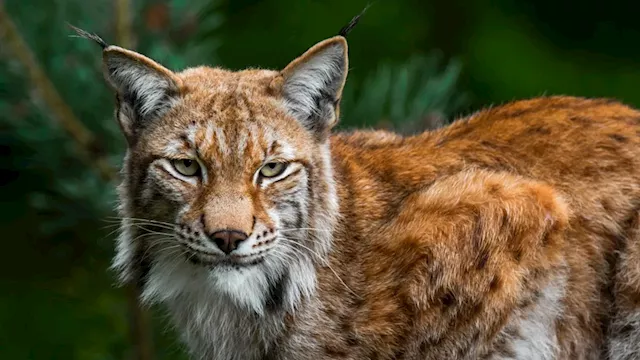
(221, 140)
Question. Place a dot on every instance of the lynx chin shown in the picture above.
(513, 233)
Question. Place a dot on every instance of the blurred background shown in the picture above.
(415, 64)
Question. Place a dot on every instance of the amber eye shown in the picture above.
(186, 167)
(272, 169)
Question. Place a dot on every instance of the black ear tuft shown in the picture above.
(84, 34)
(347, 28)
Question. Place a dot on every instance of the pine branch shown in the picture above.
(86, 143)
(61, 112)
(410, 97)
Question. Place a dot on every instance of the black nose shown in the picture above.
(228, 240)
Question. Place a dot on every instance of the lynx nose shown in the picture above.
(228, 240)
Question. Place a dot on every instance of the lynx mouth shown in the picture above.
(232, 261)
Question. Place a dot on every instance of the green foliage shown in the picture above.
(405, 96)
(58, 214)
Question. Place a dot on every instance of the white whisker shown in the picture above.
(145, 220)
(325, 263)
(303, 229)
(152, 231)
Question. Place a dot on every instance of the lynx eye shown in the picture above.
(272, 169)
(186, 167)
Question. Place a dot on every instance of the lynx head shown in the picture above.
(228, 188)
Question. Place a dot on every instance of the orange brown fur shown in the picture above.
(466, 224)
(512, 233)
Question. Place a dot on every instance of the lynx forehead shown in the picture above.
(227, 117)
(510, 234)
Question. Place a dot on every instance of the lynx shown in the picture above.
(513, 233)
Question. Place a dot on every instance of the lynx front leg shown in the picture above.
(487, 275)
(624, 332)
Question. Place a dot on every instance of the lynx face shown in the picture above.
(228, 179)
(229, 183)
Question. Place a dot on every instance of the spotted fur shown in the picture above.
(510, 234)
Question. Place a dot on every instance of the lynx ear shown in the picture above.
(312, 85)
(145, 89)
